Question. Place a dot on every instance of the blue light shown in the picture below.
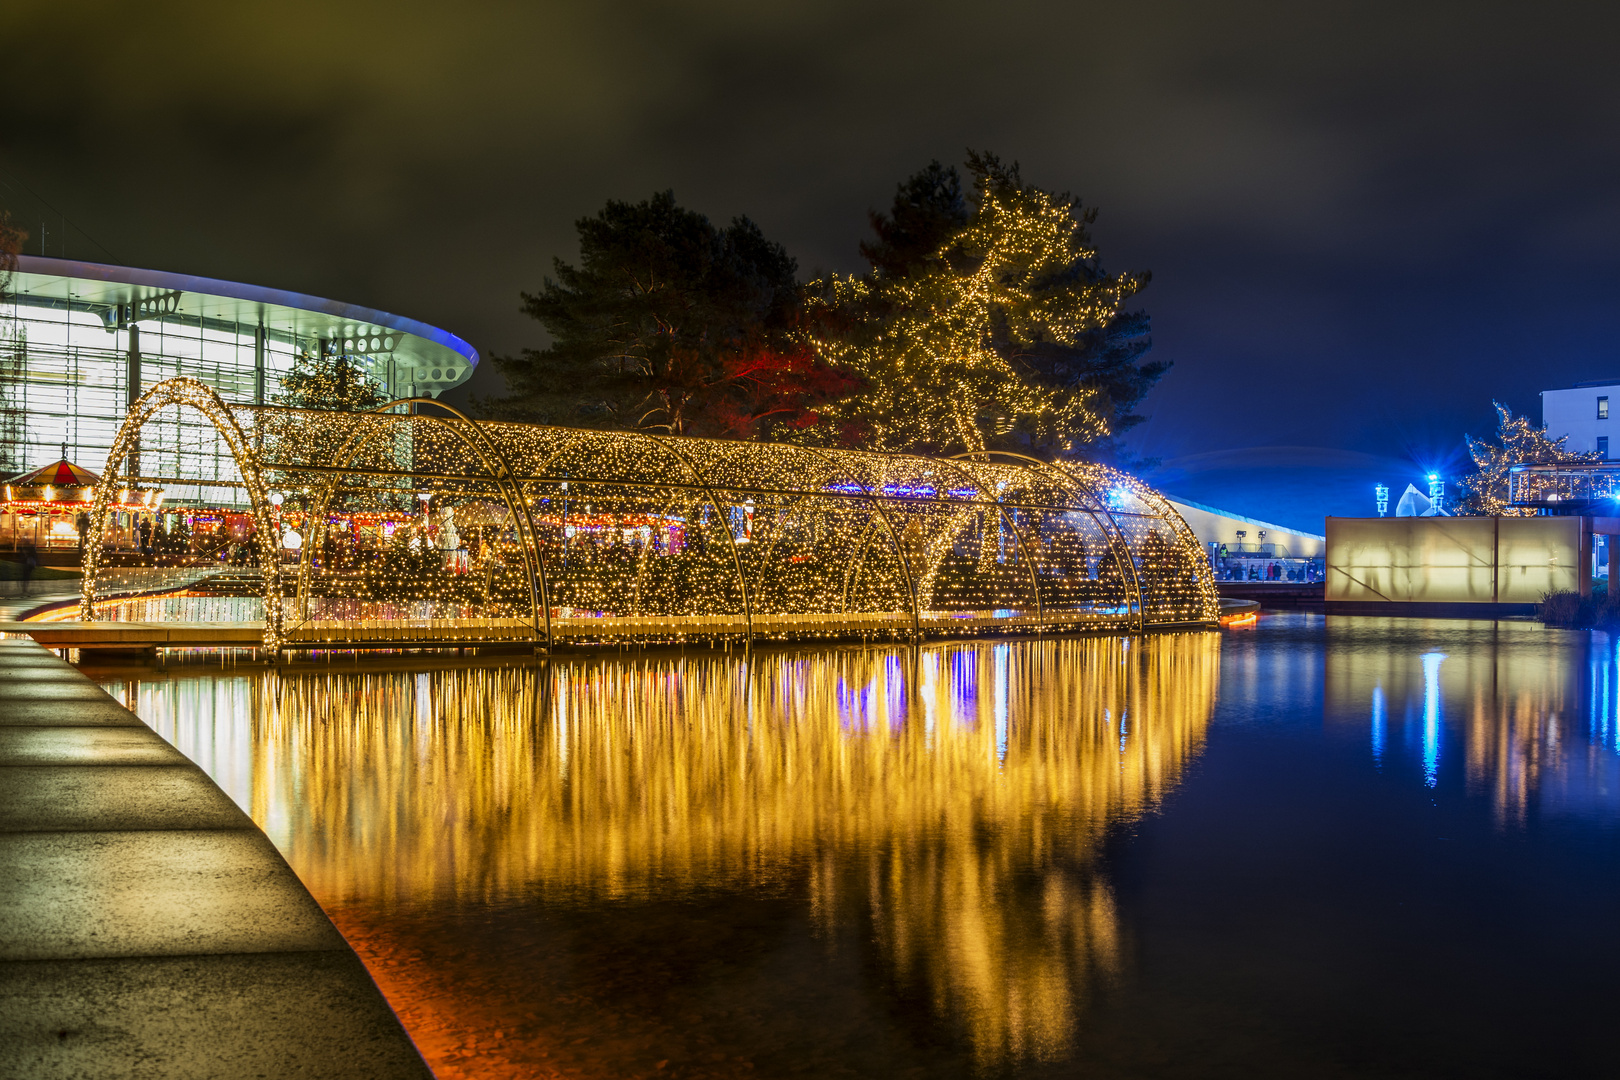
(1379, 714)
(1431, 717)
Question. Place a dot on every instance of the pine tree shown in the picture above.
(1004, 334)
(1518, 442)
(928, 211)
(668, 323)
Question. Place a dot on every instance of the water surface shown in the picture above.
(1345, 847)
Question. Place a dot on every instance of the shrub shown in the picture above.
(1568, 608)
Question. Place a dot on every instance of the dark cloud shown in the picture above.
(1364, 220)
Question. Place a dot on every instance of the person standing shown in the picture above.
(30, 561)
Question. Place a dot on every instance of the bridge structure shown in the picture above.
(415, 526)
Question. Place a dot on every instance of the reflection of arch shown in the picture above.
(198, 396)
(504, 478)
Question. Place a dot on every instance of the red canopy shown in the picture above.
(62, 473)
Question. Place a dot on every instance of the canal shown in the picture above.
(1325, 847)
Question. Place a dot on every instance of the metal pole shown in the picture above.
(258, 364)
(132, 389)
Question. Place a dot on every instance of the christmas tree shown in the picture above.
(981, 342)
(1518, 442)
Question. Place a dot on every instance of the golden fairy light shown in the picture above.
(944, 350)
(414, 525)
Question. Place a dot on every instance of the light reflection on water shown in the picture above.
(1524, 716)
(946, 803)
(965, 859)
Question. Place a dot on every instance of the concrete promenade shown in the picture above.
(147, 927)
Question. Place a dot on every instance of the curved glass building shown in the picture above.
(80, 342)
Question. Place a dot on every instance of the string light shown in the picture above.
(1518, 442)
(934, 346)
(536, 534)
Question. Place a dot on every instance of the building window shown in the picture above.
(1603, 408)
(1603, 447)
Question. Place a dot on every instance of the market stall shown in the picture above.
(48, 508)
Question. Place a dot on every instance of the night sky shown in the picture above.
(1364, 221)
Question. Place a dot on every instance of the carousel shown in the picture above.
(49, 507)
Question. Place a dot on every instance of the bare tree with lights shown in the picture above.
(987, 323)
(1518, 442)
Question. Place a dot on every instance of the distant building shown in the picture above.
(1584, 415)
(1247, 549)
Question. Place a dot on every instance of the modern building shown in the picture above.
(79, 342)
(1587, 415)
(1244, 548)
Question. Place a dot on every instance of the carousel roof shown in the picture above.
(62, 473)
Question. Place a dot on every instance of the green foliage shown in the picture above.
(1518, 442)
(928, 211)
(986, 323)
(332, 382)
(668, 323)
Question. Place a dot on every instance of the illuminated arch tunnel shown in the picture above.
(414, 525)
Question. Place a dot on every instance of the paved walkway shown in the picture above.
(14, 604)
(147, 927)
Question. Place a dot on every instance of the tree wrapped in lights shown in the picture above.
(1518, 442)
(328, 380)
(991, 339)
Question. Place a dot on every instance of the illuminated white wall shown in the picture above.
(1452, 560)
(1573, 414)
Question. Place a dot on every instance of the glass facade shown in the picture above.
(79, 342)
